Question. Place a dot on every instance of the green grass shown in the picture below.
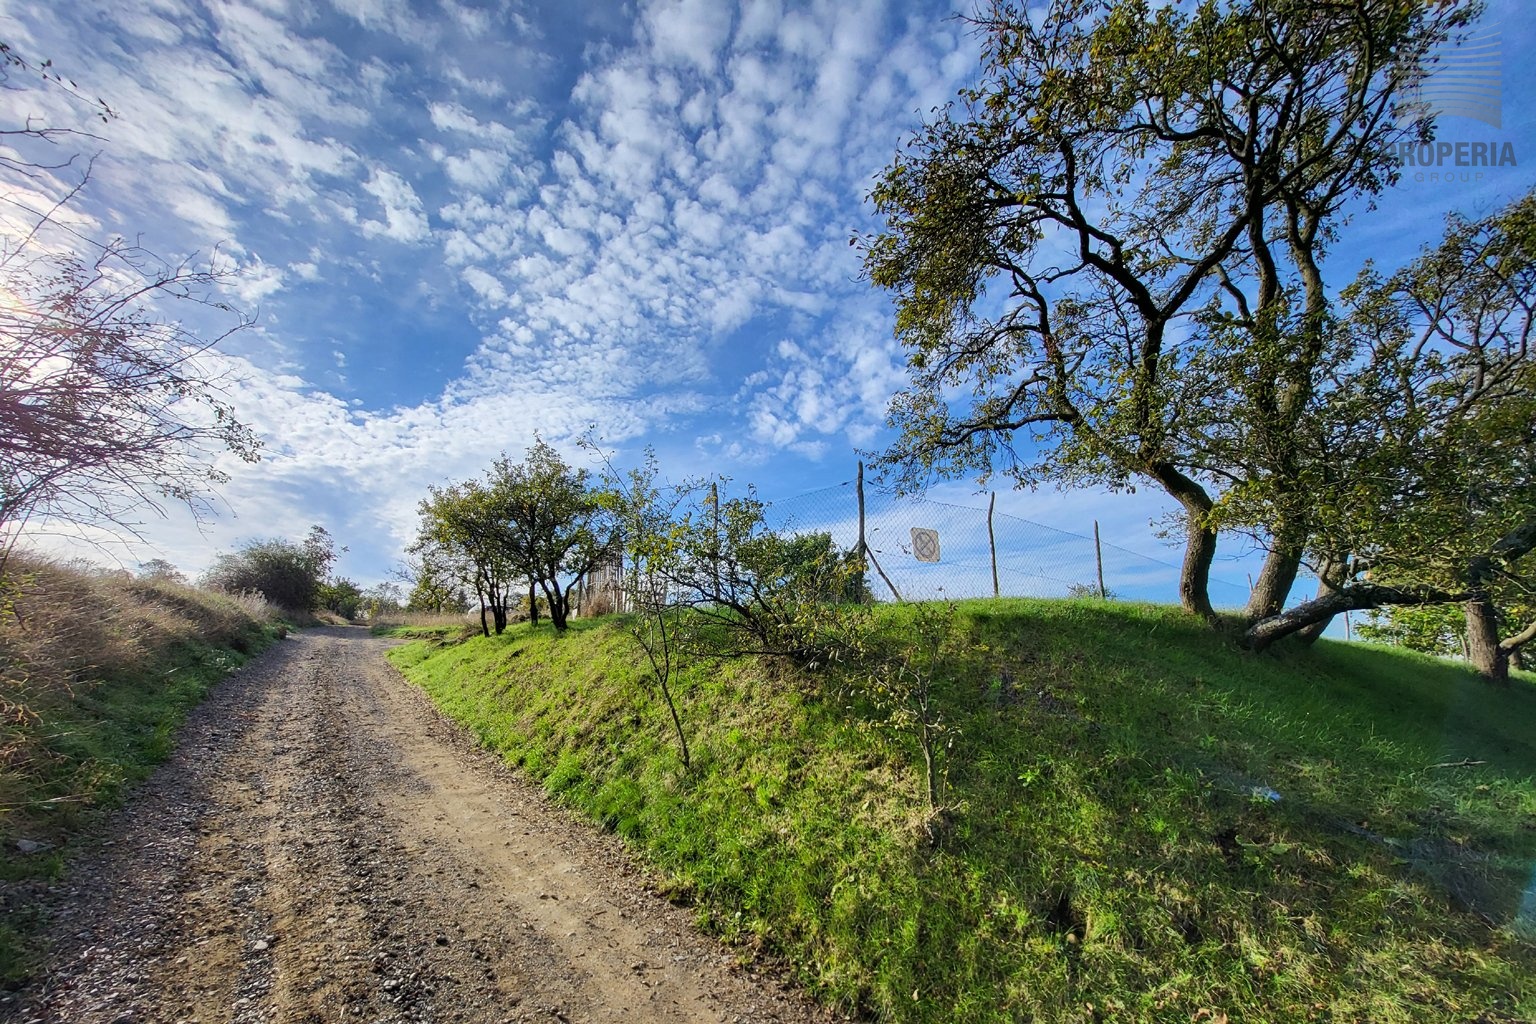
(442, 633)
(1112, 850)
(97, 673)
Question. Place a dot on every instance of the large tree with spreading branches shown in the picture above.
(1109, 255)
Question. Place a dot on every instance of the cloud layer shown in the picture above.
(463, 224)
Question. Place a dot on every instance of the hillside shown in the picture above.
(97, 672)
(1142, 822)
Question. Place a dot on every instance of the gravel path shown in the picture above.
(324, 847)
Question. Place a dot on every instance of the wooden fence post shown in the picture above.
(992, 543)
(864, 550)
(1098, 558)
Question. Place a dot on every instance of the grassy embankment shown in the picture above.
(1115, 852)
(97, 672)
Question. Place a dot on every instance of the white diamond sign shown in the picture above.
(925, 544)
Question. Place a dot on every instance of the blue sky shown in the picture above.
(464, 222)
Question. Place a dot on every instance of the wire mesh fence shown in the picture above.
(924, 549)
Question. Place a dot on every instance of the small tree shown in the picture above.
(1430, 629)
(440, 580)
(383, 599)
(160, 569)
(287, 574)
(644, 515)
(906, 687)
(558, 525)
(108, 408)
(342, 596)
(706, 579)
(756, 590)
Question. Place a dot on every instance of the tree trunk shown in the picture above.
(1195, 574)
(556, 599)
(1276, 578)
(1331, 568)
(559, 612)
(1199, 540)
(1484, 651)
(1262, 634)
(485, 629)
(533, 605)
(1514, 646)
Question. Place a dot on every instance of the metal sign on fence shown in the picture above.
(925, 544)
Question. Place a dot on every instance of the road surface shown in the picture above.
(323, 847)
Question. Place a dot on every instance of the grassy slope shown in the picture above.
(97, 672)
(1113, 855)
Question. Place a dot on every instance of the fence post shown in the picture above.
(863, 548)
(1098, 558)
(865, 554)
(992, 543)
(714, 555)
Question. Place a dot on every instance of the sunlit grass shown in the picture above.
(1115, 848)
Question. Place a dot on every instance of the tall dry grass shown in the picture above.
(64, 624)
(69, 632)
(422, 620)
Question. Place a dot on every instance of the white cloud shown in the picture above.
(254, 281)
(688, 31)
(624, 247)
(477, 170)
(404, 220)
(392, 16)
(486, 286)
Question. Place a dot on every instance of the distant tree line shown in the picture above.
(294, 575)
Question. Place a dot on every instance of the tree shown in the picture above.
(160, 569)
(1430, 496)
(439, 582)
(1430, 629)
(289, 575)
(645, 515)
(904, 687)
(342, 596)
(1142, 186)
(537, 524)
(463, 538)
(706, 579)
(748, 589)
(108, 408)
(383, 599)
(559, 528)
(815, 565)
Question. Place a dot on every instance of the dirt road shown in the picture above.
(323, 847)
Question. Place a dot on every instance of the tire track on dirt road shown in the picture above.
(324, 847)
